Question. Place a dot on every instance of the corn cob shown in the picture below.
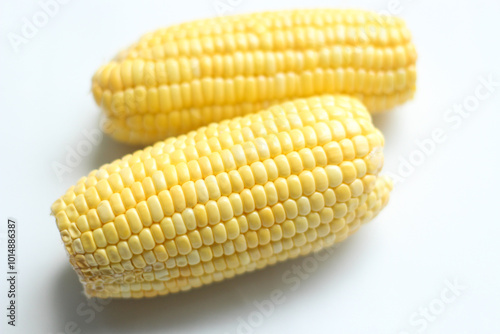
(226, 199)
(185, 76)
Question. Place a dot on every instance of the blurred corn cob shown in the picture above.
(177, 79)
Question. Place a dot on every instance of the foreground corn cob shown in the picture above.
(188, 75)
(225, 199)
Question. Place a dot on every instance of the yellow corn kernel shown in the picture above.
(179, 78)
(284, 199)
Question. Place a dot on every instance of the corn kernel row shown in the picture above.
(162, 279)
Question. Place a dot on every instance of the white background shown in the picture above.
(441, 223)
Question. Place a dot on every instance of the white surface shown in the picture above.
(441, 224)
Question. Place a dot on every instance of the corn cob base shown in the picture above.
(225, 199)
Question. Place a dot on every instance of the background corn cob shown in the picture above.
(188, 75)
(225, 199)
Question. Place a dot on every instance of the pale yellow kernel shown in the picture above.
(122, 227)
(276, 232)
(347, 149)
(295, 162)
(182, 171)
(339, 210)
(134, 221)
(243, 223)
(207, 236)
(264, 236)
(219, 232)
(334, 174)
(128, 199)
(320, 179)
(144, 213)
(271, 169)
(194, 170)
(138, 171)
(290, 207)
(127, 176)
(232, 229)
(216, 162)
(271, 193)
(224, 184)
(150, 258)
(80, 204)
(189, 219)
(103, 189)
(252, 239)
(317, 201)
(356, 188)
(88, 243)
(82, 224)
(259, 172)
(259, 196)
(303, 206)
(201, 191)
(146, 239)
(361, 146)
(178, 198)
(307, 158)
(135, 244)
(113, 254)
(298, 140)
(266, 216)
(281, 186)
(278, 213)
(110, 233)
(247, 176)
(179, 225)
(105, 212)
(138, 191)
(92, 197)
(155, 209)
(307, 182)
(161, 253)
(254, 222)
(74, 231)
(157, 233)
(236, 204)
(195, 239)
(159, 181)
(337, 224)
(167, 227)
(282, 165)
(342, 193)
(333, 153)
(288, 228)
(116, 204)
(247, 200)
(148, 187)
(213, 213)
(225, 208)
(212, 187)
(294, 186)
(101, 257)
(348, 171)
(138, 261)
(200, 215)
